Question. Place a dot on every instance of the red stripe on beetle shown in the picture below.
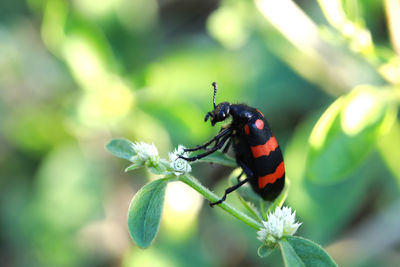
(246, 129)
(272, 177)
(265, 149)
(260, 112)
(259, 124)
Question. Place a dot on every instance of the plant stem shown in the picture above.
(196, 185)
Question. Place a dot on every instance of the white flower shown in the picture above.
(281, 222)
(178, 165)
(146, 152)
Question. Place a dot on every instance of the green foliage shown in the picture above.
(264, 251)
(250, 200)
(289, 255)
(144, 214)
(297, 251)
(219, 158)
(146, 207)
(347, 132)
(121, 148)
(136, 164)
(84, 71)
(145, 211)
(160, 168)
(322, 211)
(391, 153)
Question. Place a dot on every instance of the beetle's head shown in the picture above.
(220, 112)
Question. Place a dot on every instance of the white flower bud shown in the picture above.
(146, 152)
(281, 222)
(178, 165)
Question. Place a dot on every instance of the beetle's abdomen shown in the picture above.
(268, 159)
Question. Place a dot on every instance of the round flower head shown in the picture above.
(146, 152)
(179, 166)
(281, 222)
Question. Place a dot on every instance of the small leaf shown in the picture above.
(263, 251)
(219, 158)
(137, 163)
(121, 148)
(250, 200)
(145, 211)
(245, 191)
(254, 209)
(297, 251)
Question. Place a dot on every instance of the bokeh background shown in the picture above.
(74, 74)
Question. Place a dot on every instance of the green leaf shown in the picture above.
(290, 257)
(121, 148)
(145, 211)
(390, 152)
(136, 164)
(346, 134)
(298, 251)
(219, 158)
(250, 200)
(323, 218)
(245, 192)
(264, 250)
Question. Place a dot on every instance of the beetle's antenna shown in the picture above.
(214, 84)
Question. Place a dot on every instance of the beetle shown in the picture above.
(256, 149)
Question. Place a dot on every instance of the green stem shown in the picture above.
(196, 185)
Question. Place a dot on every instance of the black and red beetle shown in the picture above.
(256, 150)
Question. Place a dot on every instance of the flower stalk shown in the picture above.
(209, 195)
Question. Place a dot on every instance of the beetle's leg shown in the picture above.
(207, 116)
(226, 148)
(229, 190)
(212, 150)
(249, 174)
(223, 128)
(214, 139)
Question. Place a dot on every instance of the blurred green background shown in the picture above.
(74, 74)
